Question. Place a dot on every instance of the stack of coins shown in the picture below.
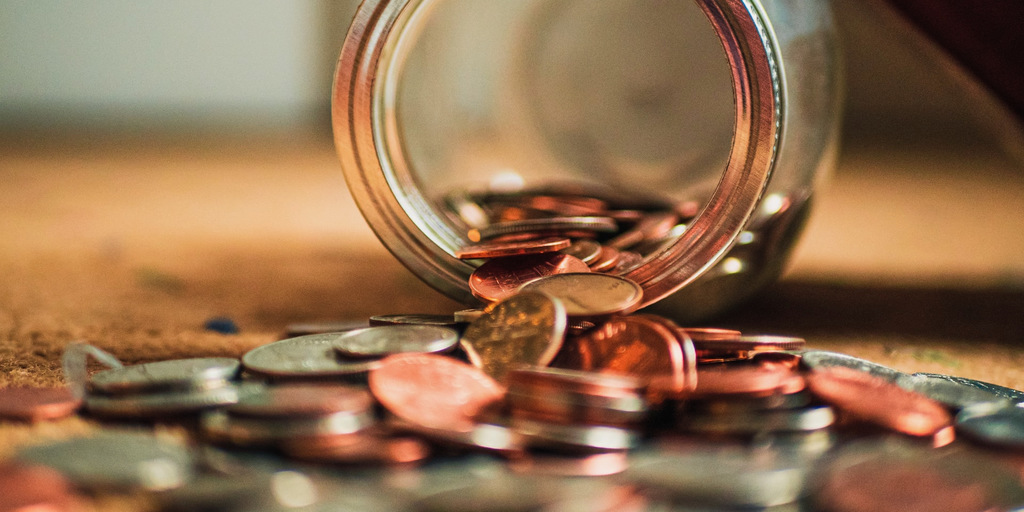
(163, 388)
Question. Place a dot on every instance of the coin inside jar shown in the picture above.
(500, 278)
(395, 339)
(303, 357)
(590, 295)
(503, 249)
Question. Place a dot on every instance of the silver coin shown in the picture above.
(548, 224)
(823, 359)
(174, 374)
(310, 356)
(747, 423)
(414, 319)
(116, 460)
(993, 424)
(396, 339)
(575, 438)
(484, 437)
(589, 295)
(726, 476)
(1010, 394)
(307, 328)
(243, 431)
(950, 393)
(301, 400)
(149, 405)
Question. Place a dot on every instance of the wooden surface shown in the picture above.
(913, 257)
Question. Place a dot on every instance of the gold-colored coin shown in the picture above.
(525, 329)
(590, 295)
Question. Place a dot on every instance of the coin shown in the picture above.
(304, 357)
(633, 345)
(433, 391)
(750, 343)
(301, 399)
(395, 339)
(598, 464)
(448, 321)
(500, 278)
(504, 249)
(700, 335)
(873, 399)
(525, 329)
(466, 316)
(307, 328)
(747, 403)
(359, 450)
(590, 295)
(587, 251)
(26, 488)
(161, 404)
(822, 359)
(653, 226)
(545, 225)
(751, 381)
(485, 437)
(221, 426)
(950, 393)
(173, 374)
(754, 422)
(37, 404)
(993, 424)
(575, 438)
(115, 459)
(1010, 394)
(606, 261)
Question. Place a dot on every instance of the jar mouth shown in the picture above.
(376, 124)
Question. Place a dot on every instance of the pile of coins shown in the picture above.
(506, 407)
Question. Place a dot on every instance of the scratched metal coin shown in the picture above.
(588, 251)
(173, 374)
(524, 330)
(448, 321)
(310, 356)
(590, 295)
(500, 278)
(395, 339)
(113, 459)
(161, 404)
(993, 424)
(633, 345)
(626, 262)
(504, 249)
(1010, 394)
(36, 404)
(823, 359)
(952, 394)
(433, 391)
(545, 225)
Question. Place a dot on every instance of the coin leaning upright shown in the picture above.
(526, 329)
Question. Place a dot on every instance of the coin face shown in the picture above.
(503, 249)
(310, 356)
(395, 339)
(1010, 394)
(501, 278)
(590, 295)
(433, 391)
(301, 399)
(35, 404)
(524, 330)
(633, 345)
(170, 374)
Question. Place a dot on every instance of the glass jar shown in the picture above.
(729, 107)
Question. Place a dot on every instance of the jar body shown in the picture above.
(434, 97)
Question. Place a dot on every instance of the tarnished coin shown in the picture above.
(524, 330)
(1010, 394)
(587, 251)
(37, 404)
(291, 400)
(395, 339)
(864, 396)
(633, 345)
(823, 359)
(116, 459)
(161, 404)
(590, 295)
(25, 488)
(362, 450)
(504, 249)
(950, 393)
(433, 391)
(223, 427)
(993, 424)
(173, 374)
(575, 438)
(756, 422)
(501, 278)
(448, 321)
(310, 356)
(545, 225)
(307, 328)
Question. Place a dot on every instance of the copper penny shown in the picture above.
(703, 334)
(590, 295)
(633, 345)
(628, 261)
(659, 386)
(35, 404)
(757, 343)
(546, 225)
(746, 380)
(606, 261)
(525, 329)
(25, 488)
(433, 391)
(501, 278)
(300, 399)
(875, 400)
(587, 251)
(503, 249)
